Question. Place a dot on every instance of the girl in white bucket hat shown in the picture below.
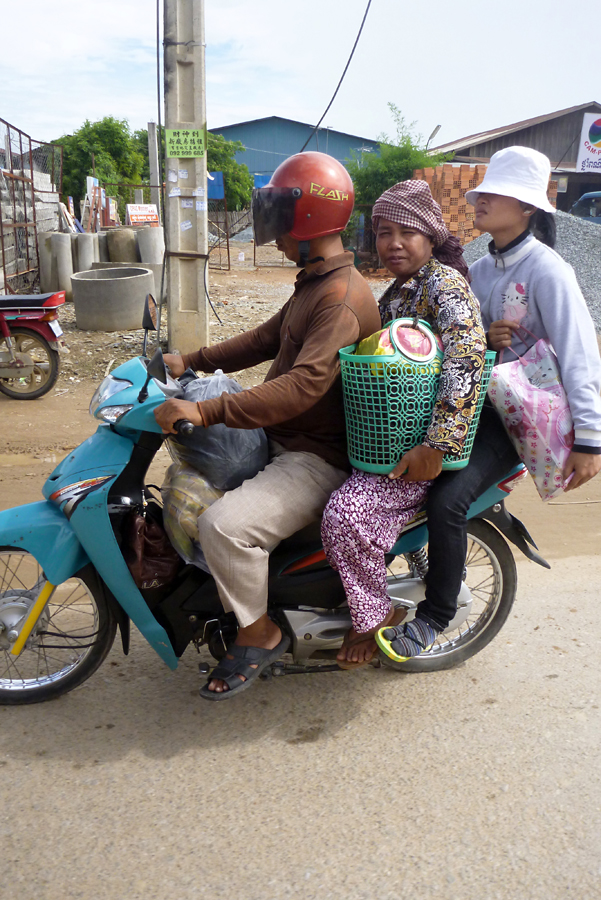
(520, 282)
(527, 291)
(519, 174)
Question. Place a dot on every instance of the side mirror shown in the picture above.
(154, 369)
(150, 319)
(151, 314)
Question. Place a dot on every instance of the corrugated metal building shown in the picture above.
(556, 134)
(269, 141)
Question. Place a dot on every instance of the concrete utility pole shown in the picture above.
(186, 177)
(153, 159)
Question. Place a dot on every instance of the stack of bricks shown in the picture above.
(449, 184)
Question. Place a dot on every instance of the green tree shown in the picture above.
(237, 178)
(396, 161)
(106, 147)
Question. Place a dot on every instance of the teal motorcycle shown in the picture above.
(65, 586)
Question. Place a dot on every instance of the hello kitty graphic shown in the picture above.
(542, 373)
(515, 302)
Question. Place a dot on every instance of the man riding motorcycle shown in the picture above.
(305, 206)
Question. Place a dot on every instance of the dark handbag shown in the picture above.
(150, 558)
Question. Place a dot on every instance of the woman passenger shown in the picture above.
(365, 516)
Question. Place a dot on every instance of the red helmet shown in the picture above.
(309, 195)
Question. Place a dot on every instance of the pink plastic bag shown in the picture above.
(528, 395)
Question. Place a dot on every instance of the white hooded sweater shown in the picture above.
(530, 283)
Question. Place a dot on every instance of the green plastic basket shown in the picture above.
(388, 403)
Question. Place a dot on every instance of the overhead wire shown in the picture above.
(341, 78)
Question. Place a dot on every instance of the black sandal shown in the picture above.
(244, 658)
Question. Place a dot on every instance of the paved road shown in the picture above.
(481, 783)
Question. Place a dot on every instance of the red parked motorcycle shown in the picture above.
(30, 342)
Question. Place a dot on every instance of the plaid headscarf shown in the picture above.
(411, 203)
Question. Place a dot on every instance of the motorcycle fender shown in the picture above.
(514, 530)
(37, 325)
(42, 530)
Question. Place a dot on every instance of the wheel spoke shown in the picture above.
(45, 366)
(69, 630)
(488, 561)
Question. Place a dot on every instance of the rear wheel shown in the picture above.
(491, 577)
(45, 368)
(71, 639)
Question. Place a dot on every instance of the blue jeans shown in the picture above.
(452, 493)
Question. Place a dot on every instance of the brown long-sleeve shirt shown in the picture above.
(300, 402)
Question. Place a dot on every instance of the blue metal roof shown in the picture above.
(271, 140)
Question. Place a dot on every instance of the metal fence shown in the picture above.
(359, 236)
(268, 255)
(223, 225)
(218, 235)
(30, 186)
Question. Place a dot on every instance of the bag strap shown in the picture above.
(512, 350)
(527, 330)
(536, 339)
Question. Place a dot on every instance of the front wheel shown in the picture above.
(71, 639)
(491, 578)
(45, 366)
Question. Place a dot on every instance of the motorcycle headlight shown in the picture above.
(112, 413)
(105, 390)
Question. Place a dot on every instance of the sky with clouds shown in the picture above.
(467, 66)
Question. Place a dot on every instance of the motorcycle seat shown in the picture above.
(32, 301)
(307, 536)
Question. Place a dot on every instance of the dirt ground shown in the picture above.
(37, 434)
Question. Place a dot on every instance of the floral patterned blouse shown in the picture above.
(442, 297)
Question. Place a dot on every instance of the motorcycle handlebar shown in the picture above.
(183, 426)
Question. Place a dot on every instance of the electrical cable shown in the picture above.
(206, 279)
(273, 152)
(566, 153)
(341, 78)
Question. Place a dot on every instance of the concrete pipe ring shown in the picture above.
(111, 299)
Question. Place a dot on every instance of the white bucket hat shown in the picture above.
(518, 172)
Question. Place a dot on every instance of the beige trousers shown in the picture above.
(240, 529)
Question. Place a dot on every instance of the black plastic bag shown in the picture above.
(225, 456)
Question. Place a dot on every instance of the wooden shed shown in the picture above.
(556, 134)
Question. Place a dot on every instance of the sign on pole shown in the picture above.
(184, 143)
(589, 152)
(186, 227)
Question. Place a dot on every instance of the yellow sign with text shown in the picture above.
(185, 142)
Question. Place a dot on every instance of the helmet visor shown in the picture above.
(273, 212)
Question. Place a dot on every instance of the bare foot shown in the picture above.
(263, 633)
(361, 648)
(357, 647)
